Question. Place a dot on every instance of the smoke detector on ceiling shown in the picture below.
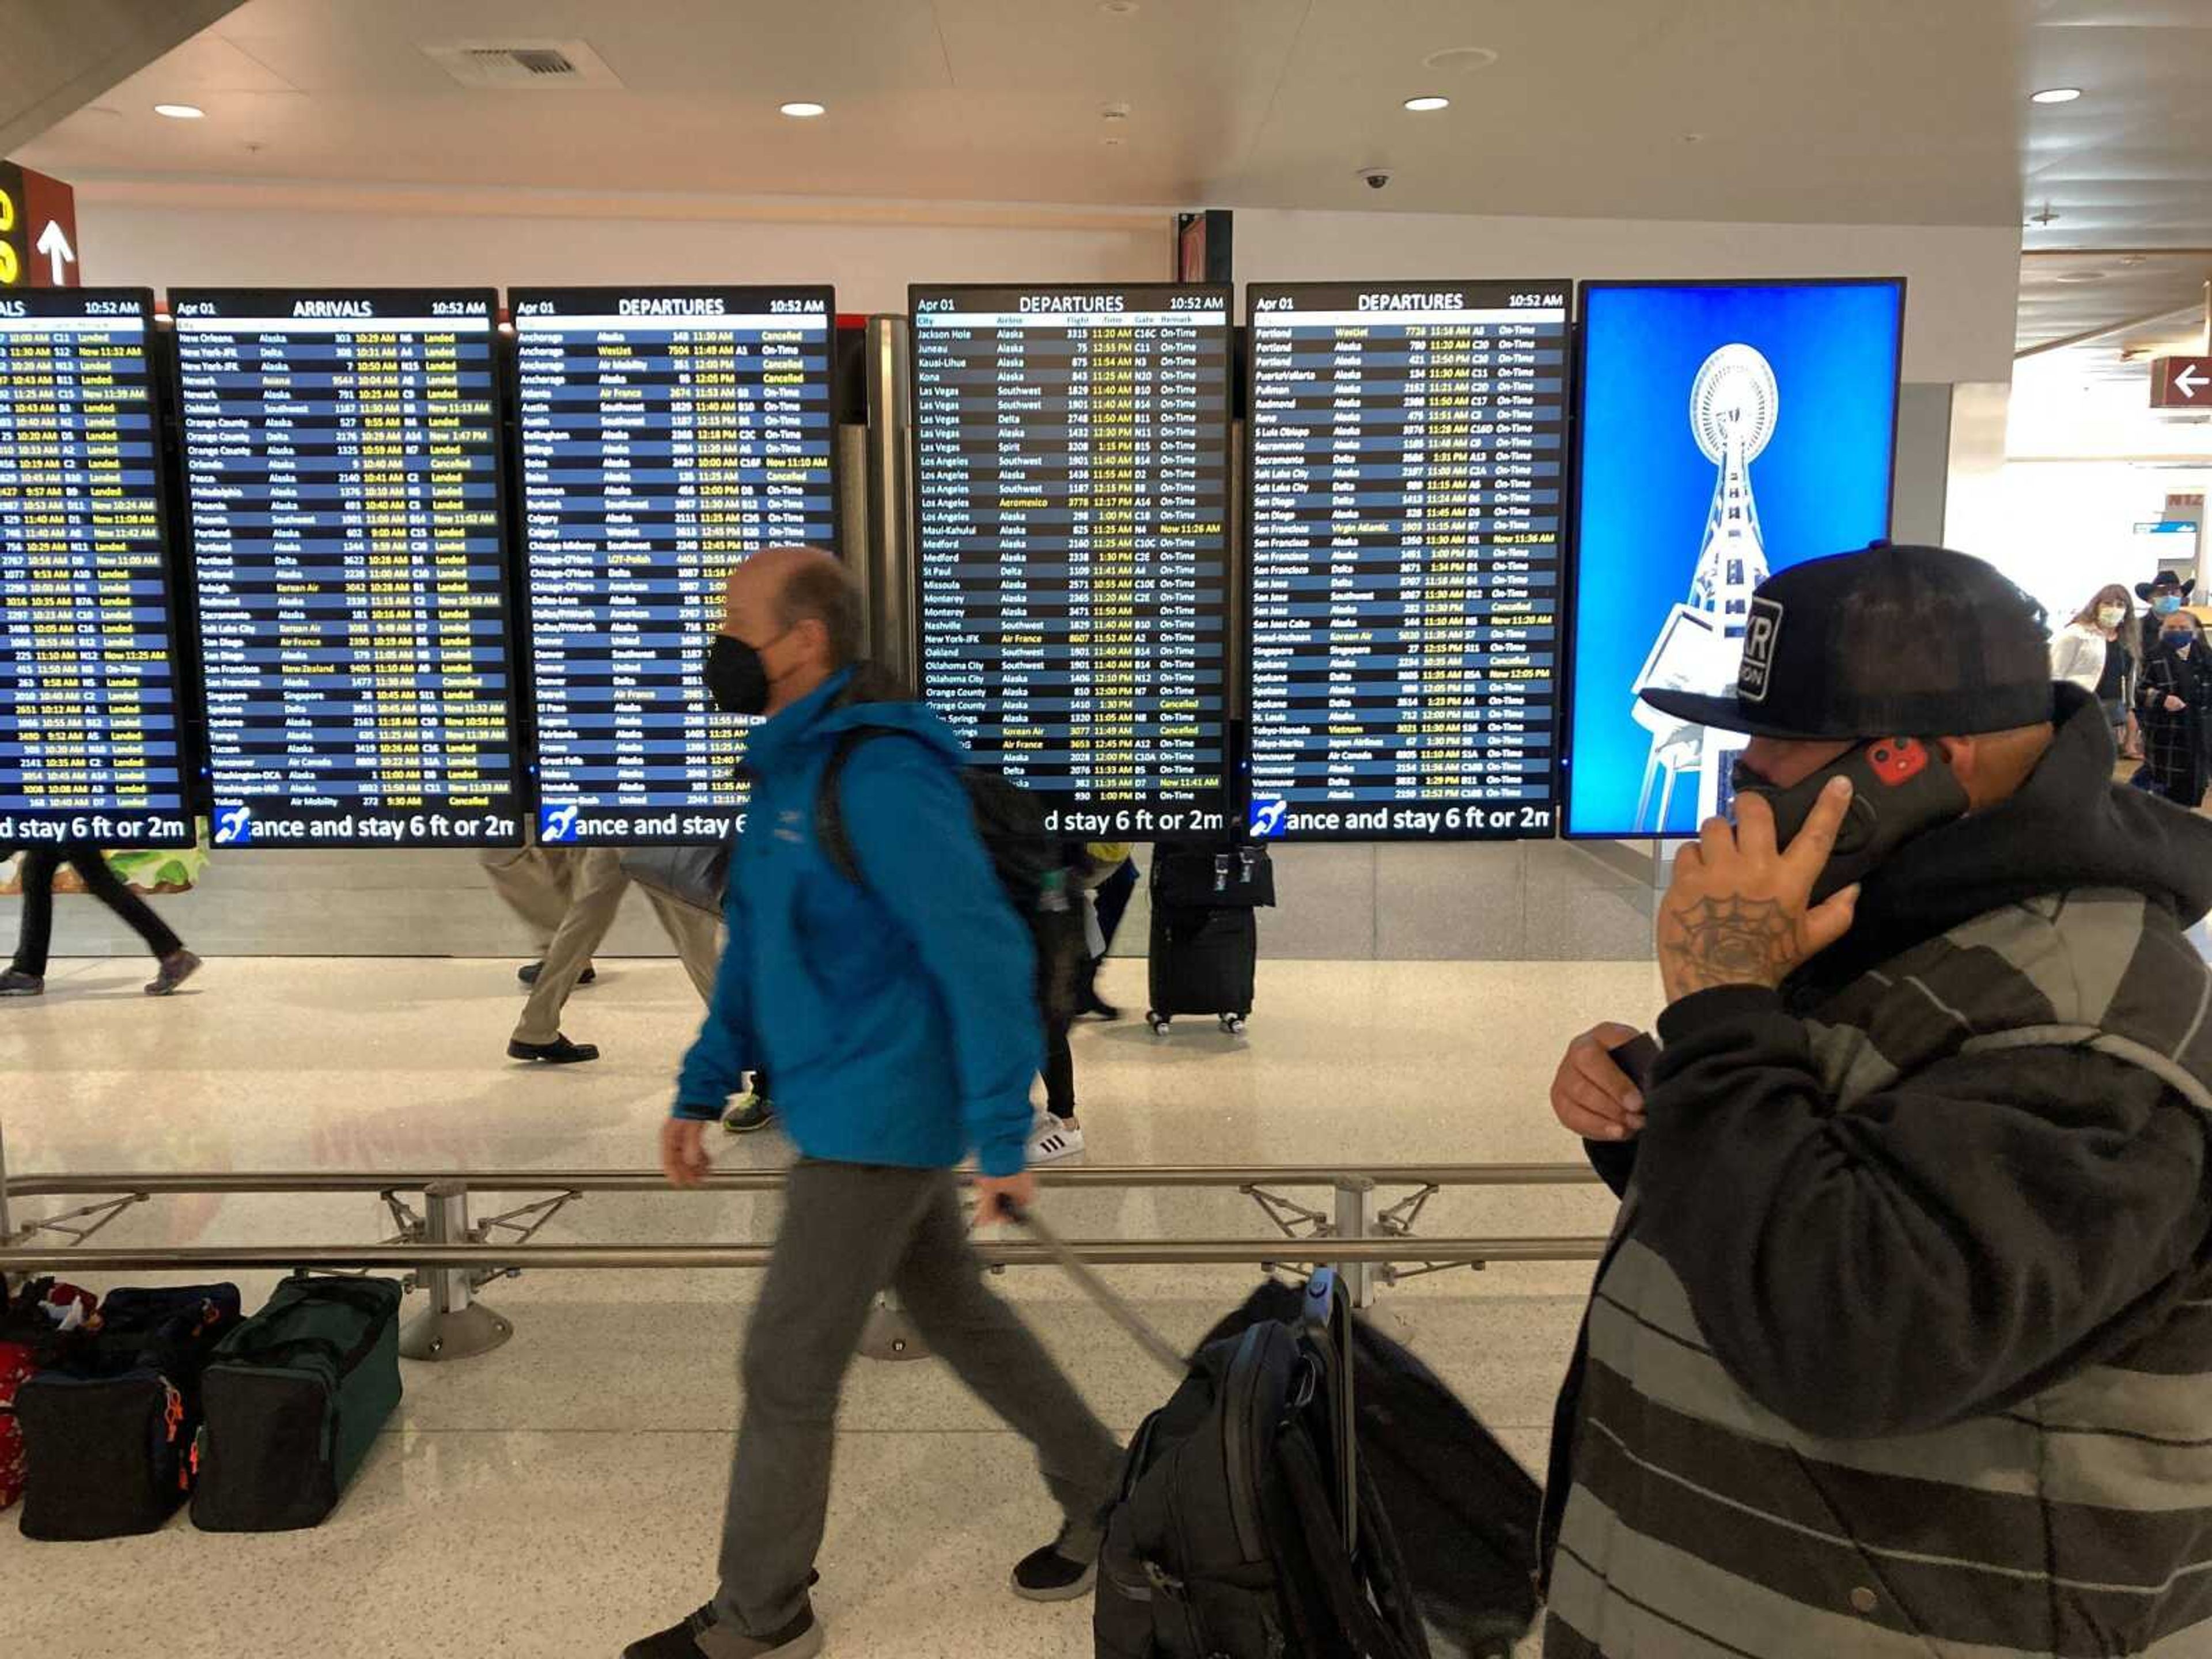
(522, 65)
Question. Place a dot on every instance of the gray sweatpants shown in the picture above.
(850, 1230)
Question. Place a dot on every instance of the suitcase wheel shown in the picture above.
(1158, 1022)
(1233, 1023)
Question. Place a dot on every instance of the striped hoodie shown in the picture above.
(1904, 1343)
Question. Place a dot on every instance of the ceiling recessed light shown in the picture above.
(2055, 95)
(1112, 112)
(2080, 276)
(1461, 60)
(1426, 103)
(180, 112)
(804, 111)
(1118, 8)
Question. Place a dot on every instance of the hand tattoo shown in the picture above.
(1731, 940)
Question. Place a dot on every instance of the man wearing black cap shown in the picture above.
(1903, 1343)
(2161, 596)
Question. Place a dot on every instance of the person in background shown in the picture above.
(1058, 1133)
(535, 882)
(27, 977)
(594, 899)
(2177, 710)
(897, 1010)
(2097, 651)
(1115, 880)
(2162, 596)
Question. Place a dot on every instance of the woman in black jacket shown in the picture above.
(2177, 710)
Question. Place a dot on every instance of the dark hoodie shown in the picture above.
(1997, 1223)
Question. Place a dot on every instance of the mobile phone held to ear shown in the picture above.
(1900, 788)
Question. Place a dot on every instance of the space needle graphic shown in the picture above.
(1734, 403)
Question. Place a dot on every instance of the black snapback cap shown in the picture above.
(1890, 642)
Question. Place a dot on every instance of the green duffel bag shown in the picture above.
(294, 1399)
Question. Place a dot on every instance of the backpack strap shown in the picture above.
(830, 833)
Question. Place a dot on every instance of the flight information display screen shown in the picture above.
(90, 716)
(667, 434)
(1407, 446)
(342, 466)
(1072, 472)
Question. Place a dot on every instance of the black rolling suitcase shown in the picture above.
(1246, 1526)
(1204, 945)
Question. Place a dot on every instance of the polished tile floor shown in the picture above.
(561, 1496)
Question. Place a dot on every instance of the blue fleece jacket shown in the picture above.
(896, 1016)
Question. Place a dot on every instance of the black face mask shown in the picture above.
(737, 678)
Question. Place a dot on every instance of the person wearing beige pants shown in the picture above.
(535, 882)
(596, 884)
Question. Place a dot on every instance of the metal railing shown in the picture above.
(442, 1252)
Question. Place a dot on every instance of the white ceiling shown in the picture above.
(1902, 111)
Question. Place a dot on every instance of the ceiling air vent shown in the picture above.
(522, 65)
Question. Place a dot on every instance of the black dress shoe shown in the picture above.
(529, 971)
(559, 1052)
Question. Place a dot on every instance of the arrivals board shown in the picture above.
(667, 434)
(90, 723)
(342, 467)
(1407, 451)
(1072, 474)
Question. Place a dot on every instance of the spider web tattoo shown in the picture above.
(1734, 941)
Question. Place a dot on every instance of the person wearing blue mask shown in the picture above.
(2162, 596)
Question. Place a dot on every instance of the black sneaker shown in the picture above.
(1047, 1575)
(750, 1115)
(559, 1052)
(529, 971)
(1097, 1007)
(17, 983)
(703, 1636)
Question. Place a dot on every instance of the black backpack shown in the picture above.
(1023, 852)
(1230, 1539)
(1465, 1509)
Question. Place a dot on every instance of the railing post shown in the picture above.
(7, 1222)
(1355, 1219)
(455, 1326)
(890, 1333)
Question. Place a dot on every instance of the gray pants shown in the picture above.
(595, 886)
(849, 1230)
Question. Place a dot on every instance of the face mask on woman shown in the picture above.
(2109, 617)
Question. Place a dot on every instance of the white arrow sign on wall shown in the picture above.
(54, 243)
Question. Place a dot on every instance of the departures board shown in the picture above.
(667, 434)
(1408, 457)
(90, 711)
(342, 462)
(1073, 475)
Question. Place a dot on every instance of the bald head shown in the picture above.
(801, 611)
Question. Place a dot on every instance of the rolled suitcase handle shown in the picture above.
(1108, 1299)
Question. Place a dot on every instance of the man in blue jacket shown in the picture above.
(897, 1015)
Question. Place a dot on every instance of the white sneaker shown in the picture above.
(1053, 1138)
